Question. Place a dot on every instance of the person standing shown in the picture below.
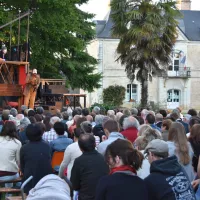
(30, 90)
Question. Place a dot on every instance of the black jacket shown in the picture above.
(35, 160)
(167, 181)
(121, 186)
(86, 172)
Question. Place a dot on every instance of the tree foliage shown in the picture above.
(59, 35)
(114, 95)
(147, 33)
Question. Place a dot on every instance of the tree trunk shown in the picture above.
(144, 93)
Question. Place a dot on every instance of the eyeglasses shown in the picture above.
(147, 156)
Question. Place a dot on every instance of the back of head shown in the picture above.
(24, 123)
(53, 120)
(174, 116)
(40, 110)
(111, 126)
(194, 120)
(79, 121)
(5, 115)
(158, 117)
(79, 111)
(99, 119)
(59, 127)
(110, 112)
(96, 110)
(78, 132)
(177, 134)
(89, 118)
(167, 123)
(65, 115)
(150, 135)
(34, 132)
(38, 117)
(144, 113)
(124, 150)
(85, 112)
(32, 119)
(9, 129)
(134, 111)
(163, 113)
(74, 113)
(86, 142)
(130, 122)
(150, 119)
(144, 129)
(31, 113)
(86, 127)
(118, 116)
(195, 134)
(13, 112)
(127, 112)
(192, 112)
(23, 108)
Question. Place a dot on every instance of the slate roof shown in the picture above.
(189, 25)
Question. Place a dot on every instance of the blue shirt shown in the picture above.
(60, 144)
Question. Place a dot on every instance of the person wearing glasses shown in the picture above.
(167, 179)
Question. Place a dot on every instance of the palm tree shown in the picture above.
(147, 33)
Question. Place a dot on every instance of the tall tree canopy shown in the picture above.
(147, 33)
(59, 35)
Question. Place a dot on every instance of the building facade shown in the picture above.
(181, 85)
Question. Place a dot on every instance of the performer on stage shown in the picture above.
(30, 90)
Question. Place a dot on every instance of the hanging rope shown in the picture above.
(19, 31)
(27, 36)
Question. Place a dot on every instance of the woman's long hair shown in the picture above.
(195, 134)
(9, 129)
(178, 136)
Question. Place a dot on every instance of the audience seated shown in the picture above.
(62, 141)
(130, 128)
(51, 135)
(71, 153)
(111, 128)
(50, 187)
(30, 138)
(167, 179)
(35, 157)
(123, 182)
(88, 168)
(179, 146)
(10, 153)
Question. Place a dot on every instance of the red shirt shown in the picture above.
(130, 133)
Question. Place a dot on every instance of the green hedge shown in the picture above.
(114, 95)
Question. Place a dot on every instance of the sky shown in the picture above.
(101, 7)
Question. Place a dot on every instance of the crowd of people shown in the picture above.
(120, 154)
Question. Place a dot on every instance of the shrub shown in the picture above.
(114, 95)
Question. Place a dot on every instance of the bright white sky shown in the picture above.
(101, 7)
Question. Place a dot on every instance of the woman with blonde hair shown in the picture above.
(179, 146)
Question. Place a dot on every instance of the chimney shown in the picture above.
(185, 5)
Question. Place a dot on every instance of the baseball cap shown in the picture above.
(34, 71)
(157, 146)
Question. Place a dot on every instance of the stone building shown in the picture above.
(181, 86)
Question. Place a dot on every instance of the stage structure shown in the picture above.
(12, 80)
